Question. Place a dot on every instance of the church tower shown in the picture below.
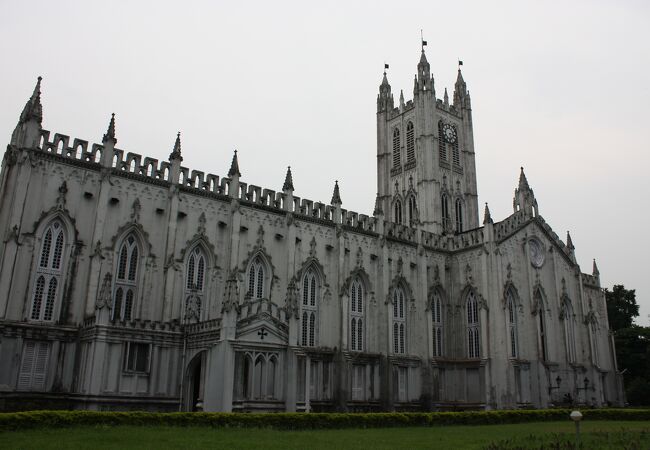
(426, 171)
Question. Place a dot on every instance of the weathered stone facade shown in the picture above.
(132, 283)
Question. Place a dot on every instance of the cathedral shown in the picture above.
(132, 283)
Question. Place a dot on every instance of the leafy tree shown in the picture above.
(621, 307)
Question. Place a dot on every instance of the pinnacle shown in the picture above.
(336, 196)
(377, 210)
(459, 78)
(234, 166)
(595, 272)
(384, 81)
(176, 152)
(110, 133)
(523, 182)
(33, 108)
(487, 217)
(423, 58)
(288, 181)
(569, 242)
(446, 98)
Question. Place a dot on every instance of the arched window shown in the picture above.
(512, 324)
(256, 278)
(441, 142)
(593, 328)
(539, 301)
(569, 331)
(310, 293)
(399, 321)
(410, 142)
(49, 272)
(126, 279)
(396, 148)
(195, 283)
(459, 215)
(455, 152)
(412, 209)
(357, 319)
(444, 202)
(473, 327)
(436, 320)
(398, 211)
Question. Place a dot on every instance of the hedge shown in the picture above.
(303, 421)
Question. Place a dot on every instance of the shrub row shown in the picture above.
(302, 421)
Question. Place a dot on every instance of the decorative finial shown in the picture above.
(523, 182)
(110, 133)
(377, 210)
(569, 242)
(33, 108)
(446, 98)
(288, 181)
(487, 217)
(176, 152)
(336, 196)
(234, 166)
(595, 272)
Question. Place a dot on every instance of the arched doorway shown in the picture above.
(194, 379)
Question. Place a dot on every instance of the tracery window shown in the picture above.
(396, 148)
(357, 318)
(49, 272)
(310, 292)
(455, 152)
(256, 278)
(412, 209)
(126, 279)
(459, 215)
(512, 324)
(444, 202)
(473, 327)
(441, 142)
(399, 321)
(436, 320)
(195, 282)
(541, 325)
(410, 142)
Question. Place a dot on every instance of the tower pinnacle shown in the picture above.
(33, 108)
(487, 217)
(176, 152)
(336, 196)
(110, 133)
(288, 181)
(234, 166)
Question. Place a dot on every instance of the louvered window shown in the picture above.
(33, 366)
(410, 143)
(459, 215)
(441, 142)
(49, 273)
(396, 148)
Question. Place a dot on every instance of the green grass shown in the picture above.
(158, 437)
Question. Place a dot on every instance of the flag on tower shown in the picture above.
(385, 66)
(460, 63)
(424, 43)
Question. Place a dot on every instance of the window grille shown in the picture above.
(49, 273)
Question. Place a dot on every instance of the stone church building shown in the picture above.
(128, 282)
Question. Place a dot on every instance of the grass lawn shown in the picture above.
(442, 437)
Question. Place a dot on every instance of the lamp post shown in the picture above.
(576, 416)
(558, 381)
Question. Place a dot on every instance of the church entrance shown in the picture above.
(194, 377)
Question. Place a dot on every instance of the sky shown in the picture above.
(560, 88)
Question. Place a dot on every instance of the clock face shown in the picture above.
(450, 133)
(536, 252)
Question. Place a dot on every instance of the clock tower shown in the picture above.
(426, 171)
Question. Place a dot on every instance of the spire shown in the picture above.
(377, 210)
(234, 166)
(288, 181)
(569, 242)
(595, 272)
(446, 98)
(487, 218)
(401, 99)
(384, 98)
(176, 152)
(523, 182)
(336, 196)
(460, 90)
(424, 80)
(33, 108)
(110, 133)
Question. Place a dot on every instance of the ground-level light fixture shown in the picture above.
(576, 416)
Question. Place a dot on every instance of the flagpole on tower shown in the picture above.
(422, 40)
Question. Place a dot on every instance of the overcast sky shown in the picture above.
(561, 88)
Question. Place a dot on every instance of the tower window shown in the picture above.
(455, 153)
(396, 148)
(256, 279)
(48, 273)
(436, 320)
(444, 200)
(398, 211)
(473, 327)
(459, 215)
(441, 143)
(310, 288)
(512, 324)
(410, 142)
(399, 321)
(125, 281)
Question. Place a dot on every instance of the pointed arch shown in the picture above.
(51, 253)
(396, 147)
(397, 209)
(444, 211)
(473, 323)
(568, 317)
(410, 142)
(357, 313)
(196, 280)
(128, 256)
(458, 211)
(512, 321)
(539, 309)
(311, 293)
(436, 305)
(399, 300)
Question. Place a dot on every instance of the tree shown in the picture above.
(621, 307)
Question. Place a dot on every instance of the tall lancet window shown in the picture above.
(410, 143)
(195, 282)
(357, 319)
(49, 272)
(396, 148)
(412, 209)
(569, 330)
(541, 324)
(473, 327)
(398, 211)
(459, 215)
(310, 292)
(399, 321)
(441, 142)
(455, 152)
(256, 278)
(126, 279)
(512, 324)
(444, 203)
(436, 320)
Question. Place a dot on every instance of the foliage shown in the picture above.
(302, 421)
(629, 440)
(621, 307)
